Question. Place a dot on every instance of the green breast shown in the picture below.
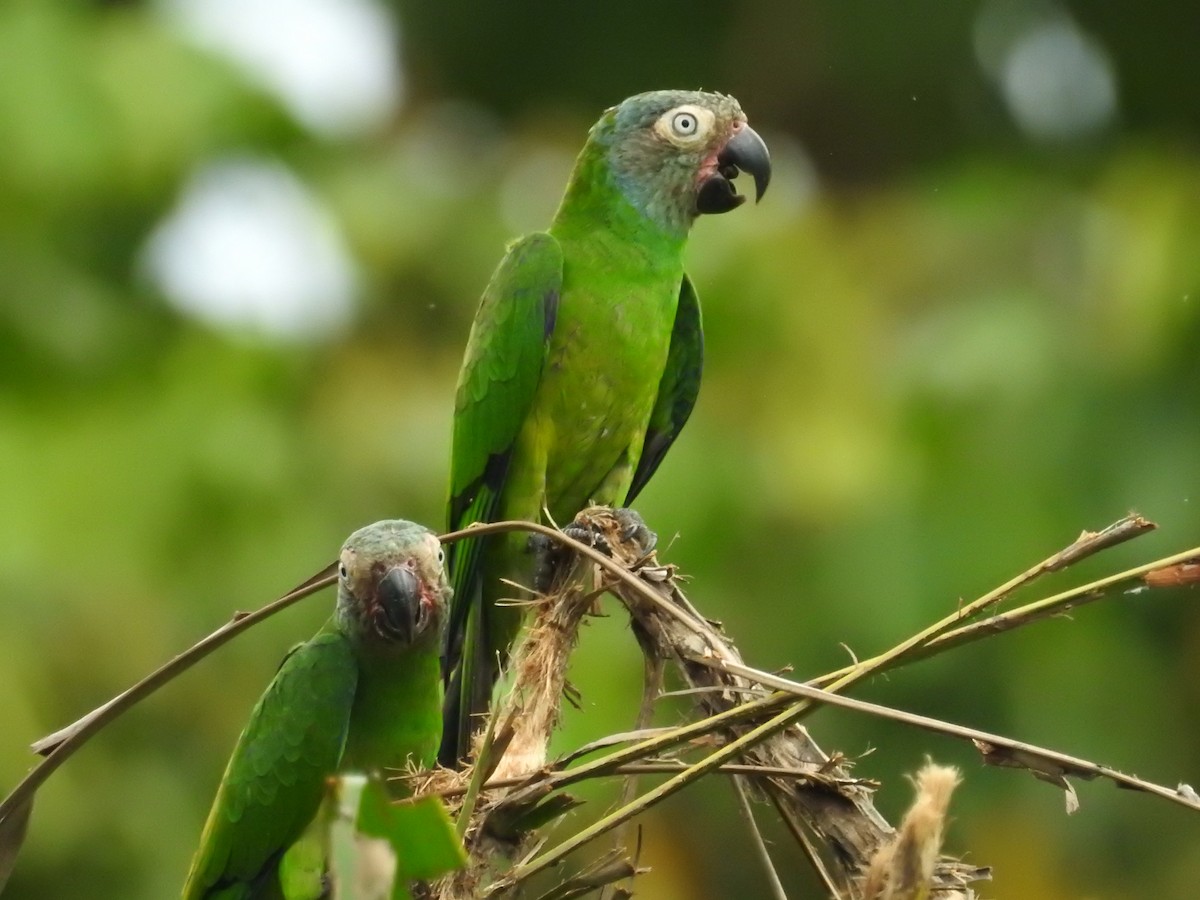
(397, 712)
(602, 375)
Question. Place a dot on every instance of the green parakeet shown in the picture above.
(365, 693)
(584, 359)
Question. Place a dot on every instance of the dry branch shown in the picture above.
(829, 811)
(830, 805)
(740, 729)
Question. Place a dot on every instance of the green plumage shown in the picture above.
(584, 358)
(363, 694)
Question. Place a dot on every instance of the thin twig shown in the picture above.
(181, 663)
(1089, 542)
(485, 763)
(660, 767)
(652, 682)
(109, 710)
(62, 744)
(59, 746)
(760, 844)
(601, 873)
(1085, 545)
(668, 738)
(1038, 759)
(806, 843)
(693, 773)
(1022, 615)
(613, 568)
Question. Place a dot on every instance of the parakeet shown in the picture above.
(365, 693)
(584, 359)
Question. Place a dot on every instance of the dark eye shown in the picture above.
(342, 574)
(684, 124)
(441, 556)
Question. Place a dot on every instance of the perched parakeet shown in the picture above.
(584, 359)
(365, 693)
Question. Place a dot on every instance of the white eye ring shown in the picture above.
(342, 574)
(685, 126)
(441, 556)
(684, 123)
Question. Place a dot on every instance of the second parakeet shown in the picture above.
(584, 359)
(364, 694)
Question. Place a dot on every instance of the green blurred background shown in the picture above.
(241, 244)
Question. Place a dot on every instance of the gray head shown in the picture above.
(674, 154)
(392, 590)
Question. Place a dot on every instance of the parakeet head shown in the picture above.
(392, 590)
(675, 154)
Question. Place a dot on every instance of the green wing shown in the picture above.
(503, 365)
(505, 355)
(275, 779)
(676, 392)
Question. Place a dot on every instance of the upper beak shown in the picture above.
(399, 596)
(747, 151)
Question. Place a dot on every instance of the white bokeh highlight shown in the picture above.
(333, 63)
(248, 248)
(1057, 81)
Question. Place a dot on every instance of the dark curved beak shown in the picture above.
(399, 599)
(744, 152)
(748, 152)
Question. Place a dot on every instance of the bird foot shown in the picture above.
(596, 527)
(635, 531)
(608, 529)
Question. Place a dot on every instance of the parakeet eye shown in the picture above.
(684, 124)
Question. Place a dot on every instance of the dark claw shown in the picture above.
(633, 528)
(550, 556)
(585, 534)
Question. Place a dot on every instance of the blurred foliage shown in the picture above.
(935, 353)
